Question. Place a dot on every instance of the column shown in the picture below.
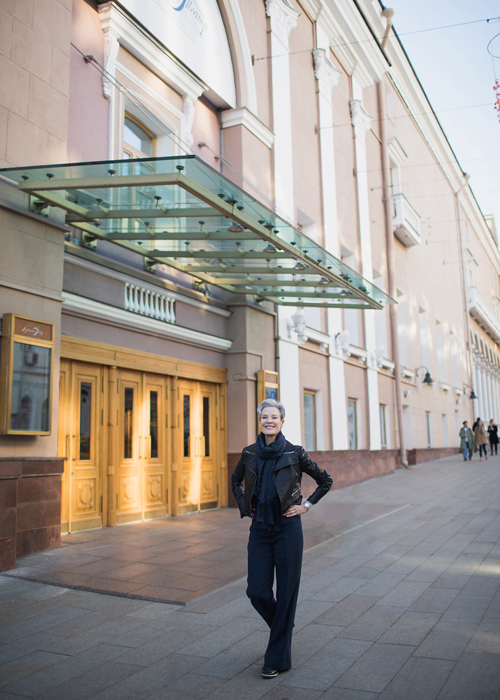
(328, 76)
(283, 18)
(361, 122)
(479, 391)
(484, 393)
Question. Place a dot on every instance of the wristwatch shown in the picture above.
(307, 505)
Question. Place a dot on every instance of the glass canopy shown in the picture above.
(181, 212)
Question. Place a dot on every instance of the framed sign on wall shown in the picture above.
(26, 361)
(267, 385)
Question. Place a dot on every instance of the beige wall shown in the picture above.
(30, 285)
(34, 65)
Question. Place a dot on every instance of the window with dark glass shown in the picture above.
(153, 423)
(30, 387)
(128, 423)
(85, 419)
(206, 424)
(187, 425)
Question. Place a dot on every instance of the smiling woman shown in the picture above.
(272, 470)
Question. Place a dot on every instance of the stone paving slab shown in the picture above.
(404, 603)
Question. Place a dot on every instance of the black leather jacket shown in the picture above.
(287, 475)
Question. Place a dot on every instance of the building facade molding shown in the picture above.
(244, 117)
(325, 73)
(283, 19)
(86, 307)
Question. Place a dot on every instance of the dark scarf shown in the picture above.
(267, 502)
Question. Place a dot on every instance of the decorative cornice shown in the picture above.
(325, 72)
(283, 19)
(360, 119)
(127, 33)
(243, 117)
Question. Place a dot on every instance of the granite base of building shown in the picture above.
(429, 454)
(30, 507)
(346, 467)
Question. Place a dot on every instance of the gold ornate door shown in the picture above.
(80, 439)
(198, 484)
(142, 472)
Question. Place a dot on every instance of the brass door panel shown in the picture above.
(198, 449)
(80, 441)
(143, 438)
(130, 466)
(207, 447)
(155, 447)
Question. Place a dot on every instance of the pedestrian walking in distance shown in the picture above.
(474, 426)
(271, 470)
(480, 439)
(493, 436)
(466, 440)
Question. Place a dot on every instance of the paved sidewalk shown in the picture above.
(406, 606)
(175, 560)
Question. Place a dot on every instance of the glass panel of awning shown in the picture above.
(181, 212)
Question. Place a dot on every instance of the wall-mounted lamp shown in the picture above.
(472, 395)
(297, 323)
(427, 379)
(342, 341)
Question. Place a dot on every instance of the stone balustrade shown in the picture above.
(141, 300)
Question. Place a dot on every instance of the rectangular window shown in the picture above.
(453, 350)
(85, 419)
(352, 423)
(403, 346)
(206, 424)
(128, 423)
(428, 428)
(310, 420)
(383, 427)
(187, 425)
(407, 427)
(153, 424)
(446, 440)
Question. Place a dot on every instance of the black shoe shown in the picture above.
(268, 672)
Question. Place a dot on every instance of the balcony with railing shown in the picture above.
(405, 221)
(482, 312)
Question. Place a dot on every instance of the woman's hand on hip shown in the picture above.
(295, 510)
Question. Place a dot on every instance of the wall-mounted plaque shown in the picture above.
(27, 355)
(267, 385)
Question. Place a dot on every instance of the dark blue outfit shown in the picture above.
(275, 542)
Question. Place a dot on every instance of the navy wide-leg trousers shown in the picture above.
(280, 551)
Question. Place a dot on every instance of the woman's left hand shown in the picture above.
(295, 510)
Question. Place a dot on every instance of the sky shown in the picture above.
(458, 74)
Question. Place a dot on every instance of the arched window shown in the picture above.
(138, 142)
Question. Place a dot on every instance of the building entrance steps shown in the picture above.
(403, 602)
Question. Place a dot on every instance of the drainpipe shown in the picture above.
(391, 267)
